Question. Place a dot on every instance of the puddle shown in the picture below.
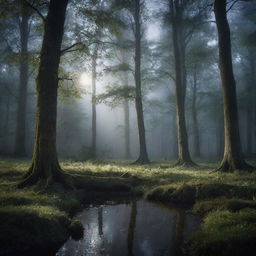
(137, 228)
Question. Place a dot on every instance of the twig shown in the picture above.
(231, 6)
(68, 49)
(65, 78)
(36, 10)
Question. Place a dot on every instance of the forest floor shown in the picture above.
(226, 201)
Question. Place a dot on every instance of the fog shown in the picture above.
(75, 99)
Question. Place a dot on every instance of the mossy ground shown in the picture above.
(158, 181)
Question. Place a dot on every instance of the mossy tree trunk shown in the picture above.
(233, 158)
(176, 10)
(45, 166)
(23, 83)
(143, 155)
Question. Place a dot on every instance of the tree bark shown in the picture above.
(194, 118)
(143, 156)
(94, 113)
(45, 166)
(20, 149)
(251, 105)
(219, 136)
(180, 82)
(232, 158)
(127, 128)
(6, 125)
(126, 111)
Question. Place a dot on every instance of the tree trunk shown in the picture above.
(232, 158)
(249, 129)
(219, 136)
(127, 129)
(180, 83)
(194, 118)
(45, 166)
(22, 94)
(143, 157)
(250, 106)
(6, 125)
(126, 112)
(94, 113)
(254, 93)
(174, 145)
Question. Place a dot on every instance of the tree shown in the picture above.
(143, 155)
(23, 83)
(134, 9)
(232, 158)
(178, 37)
(45, 165)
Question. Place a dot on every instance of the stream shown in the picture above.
(134, 228)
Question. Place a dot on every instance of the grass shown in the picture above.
(225, 233)
(232, 205)
(214, 195)
(26, 227)
(30, 218)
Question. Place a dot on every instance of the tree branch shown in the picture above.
(231, 6)
(68, 49)
(65, 78)
(36, 10)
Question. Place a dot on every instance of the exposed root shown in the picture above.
(33, 177)
(141, 161)
(231, 166)
(29, 180)
(185, 163)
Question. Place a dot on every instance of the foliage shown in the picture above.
(115, 95)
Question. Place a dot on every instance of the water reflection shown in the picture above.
(131, 229)
(138, 228)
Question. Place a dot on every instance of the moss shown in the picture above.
(27, 227)
(225, 233)
(204, 207)
(189, 193)
(76, 229)
(213, 190)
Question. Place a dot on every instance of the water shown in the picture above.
(137, 228)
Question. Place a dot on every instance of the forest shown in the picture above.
(128, 127)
